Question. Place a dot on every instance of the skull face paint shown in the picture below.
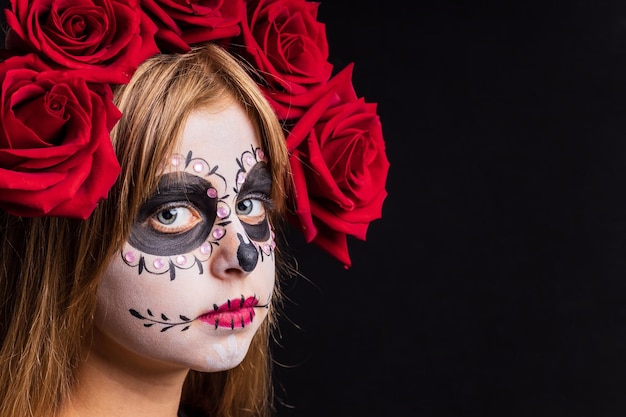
(195, 278)
(179, 217)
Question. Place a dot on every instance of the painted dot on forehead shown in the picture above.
(198, 167)
(222, 212)
(250, 159)
(260, 154)
(177, 160)
(158, 263)
(181, 259)
(211, 192)
(218, 233)
(130, 256)
(241, 178)
(205, 248)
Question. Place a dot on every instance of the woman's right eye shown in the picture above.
(174, 218)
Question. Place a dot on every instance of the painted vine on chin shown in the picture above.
(165, 321)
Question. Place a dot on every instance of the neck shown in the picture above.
(108, 386)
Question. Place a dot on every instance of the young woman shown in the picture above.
(173, 271)
(145, 169)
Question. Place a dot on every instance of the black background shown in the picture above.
(494, 284)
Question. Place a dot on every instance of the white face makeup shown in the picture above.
(193, 282)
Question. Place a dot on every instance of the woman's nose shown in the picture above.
(236, 255)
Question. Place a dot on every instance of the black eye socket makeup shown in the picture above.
(258, 181)
(258, 185)
(179, 189)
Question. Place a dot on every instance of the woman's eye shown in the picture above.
(251, 210)
(174, 219)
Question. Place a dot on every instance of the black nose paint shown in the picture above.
(247, 255)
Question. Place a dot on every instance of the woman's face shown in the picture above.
(193, 282)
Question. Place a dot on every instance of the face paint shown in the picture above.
(186, 194)
(177, 218)
(194, 281)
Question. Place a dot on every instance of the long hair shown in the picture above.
(51, 266)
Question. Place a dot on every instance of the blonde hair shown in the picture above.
(51, 266)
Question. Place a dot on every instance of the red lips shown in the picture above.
(234, 313)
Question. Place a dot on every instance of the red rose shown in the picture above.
(182, 22)
(104, 40)
(56, 157)
(339, 167)
(286, 43)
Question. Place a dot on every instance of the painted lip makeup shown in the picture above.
(234, 313)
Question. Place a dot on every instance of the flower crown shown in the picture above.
(61, 58)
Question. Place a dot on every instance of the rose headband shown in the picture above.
(62, 56)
